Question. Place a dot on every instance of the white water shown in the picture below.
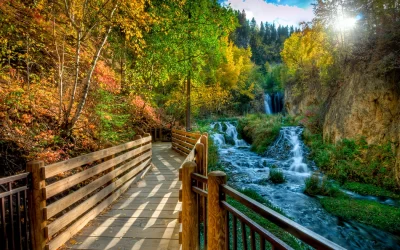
(268, 104)
(230, 131)
(288, 153)
(291, 135)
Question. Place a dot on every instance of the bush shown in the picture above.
(213, 164)
(276, 176)
(261, 130)
(354, 161)
(316, 186)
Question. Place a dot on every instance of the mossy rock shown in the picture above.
(229, 140)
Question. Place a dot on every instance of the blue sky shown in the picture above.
(284, 12)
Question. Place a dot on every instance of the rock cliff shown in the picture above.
(362, 105)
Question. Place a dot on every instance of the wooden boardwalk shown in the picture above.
(146, 216)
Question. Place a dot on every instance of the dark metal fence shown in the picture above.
(14, 220)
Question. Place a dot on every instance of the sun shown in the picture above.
(345, 24)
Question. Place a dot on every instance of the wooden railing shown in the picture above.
(14, 217)
(67, 195)
(210, 222)
(183, 142)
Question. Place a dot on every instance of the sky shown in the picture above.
(284, 12)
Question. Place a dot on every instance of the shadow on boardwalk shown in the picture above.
(146, 216)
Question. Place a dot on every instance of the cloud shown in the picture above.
(270, 12)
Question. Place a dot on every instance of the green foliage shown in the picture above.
(316, 186)
(276, 176)
(213, 160)
(261, 130)
(367, 189)
(364, 211)
(275, 77)
(354, 161)
(113, 118)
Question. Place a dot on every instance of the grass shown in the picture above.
(372, 213)
(261, 130)
(367, 189)
(274, 229)
(276, 176)
(317, 186)
(355, 161)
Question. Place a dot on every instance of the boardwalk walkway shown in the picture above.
(146, 216)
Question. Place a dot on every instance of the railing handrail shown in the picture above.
(13, 178)
(302, 233)
(195, 194)
(110, 173)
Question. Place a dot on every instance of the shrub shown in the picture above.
(354, 161)
(261, 130)
(316, 186)
(276, 176)
(213, 163)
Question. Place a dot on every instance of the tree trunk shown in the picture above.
(89, 76)
(188, 125)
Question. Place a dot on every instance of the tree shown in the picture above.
(94, 20)
(308, 52)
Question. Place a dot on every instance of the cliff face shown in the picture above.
(361, 106)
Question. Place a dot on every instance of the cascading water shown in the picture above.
(289, 154)
(268, 104)
(273, 103)
(230, 131)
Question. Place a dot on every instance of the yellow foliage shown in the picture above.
(237, 67)
(307, 50)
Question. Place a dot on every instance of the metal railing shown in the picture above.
(14, 219)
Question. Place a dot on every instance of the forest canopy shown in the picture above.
(76, 75)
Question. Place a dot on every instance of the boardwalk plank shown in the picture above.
(144, 217)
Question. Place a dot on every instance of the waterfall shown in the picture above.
(289, 148)
(273, 103)
(267, 104)
(231, 131)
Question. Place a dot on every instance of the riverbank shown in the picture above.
(214, 164)
(288, 154)
(354, 165)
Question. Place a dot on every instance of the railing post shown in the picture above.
(216, 215)
(37, 204)
(199, 154)
(190, 227)
(204, 140)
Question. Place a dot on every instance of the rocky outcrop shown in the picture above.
(362, 105)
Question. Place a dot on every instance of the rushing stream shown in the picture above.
(289, 154)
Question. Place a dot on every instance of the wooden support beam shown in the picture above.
(216, 214)
(37, 204)
(190, 226)
(204, 140)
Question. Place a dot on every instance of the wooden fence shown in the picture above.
(67, 195)
(210, 222)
